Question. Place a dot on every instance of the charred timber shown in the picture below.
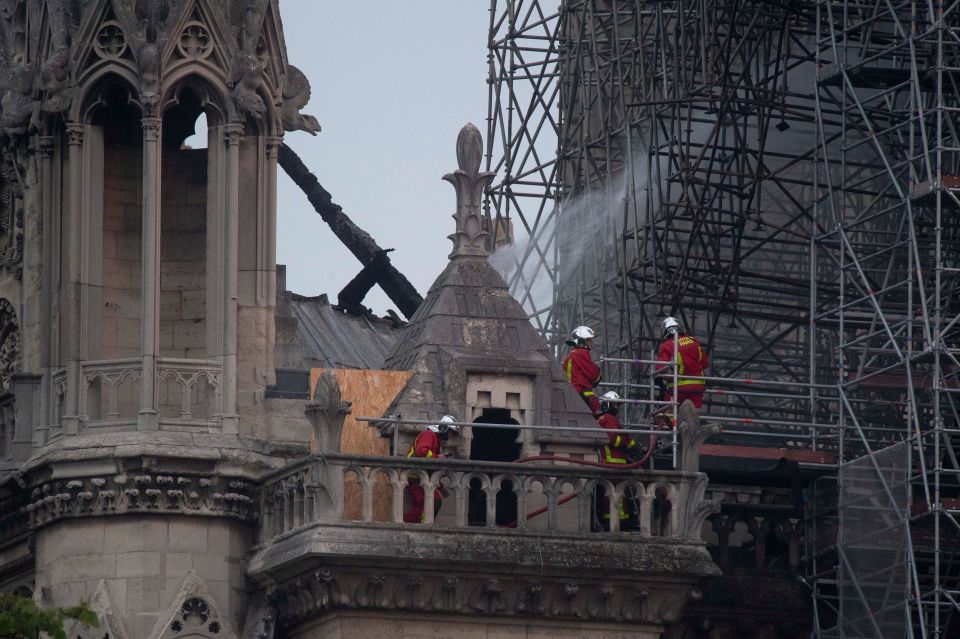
(397, 287)
(351, 297)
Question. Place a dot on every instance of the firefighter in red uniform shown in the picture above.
(691, 362)
(427, 445)
(580, 368)
(622, 449)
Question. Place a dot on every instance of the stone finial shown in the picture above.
(472, 236)
(692, 435)
(326, 413)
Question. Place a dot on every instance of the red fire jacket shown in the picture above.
(581, 370)
(620, 443)
(427, 444)
(691, 360)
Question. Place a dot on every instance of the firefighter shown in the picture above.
(621, 449)
(427, 445)
(622, 446)
(691, 362)
(580, 368)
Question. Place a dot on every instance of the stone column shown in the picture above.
(47, 333)
(272, 148)
(71, 307)
(231, 220)
(148, 418)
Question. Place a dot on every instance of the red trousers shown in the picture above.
(694, 395)
(592, 402)
(414, 515)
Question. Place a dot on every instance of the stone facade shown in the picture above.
(135, 421)
(145, 468)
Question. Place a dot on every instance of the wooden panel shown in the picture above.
(371, 392)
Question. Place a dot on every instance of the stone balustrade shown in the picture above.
(544, 498)
(104, 387)
(109, 395)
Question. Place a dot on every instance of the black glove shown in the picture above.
(661, 385)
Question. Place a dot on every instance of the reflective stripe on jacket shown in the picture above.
(580, 369)
(427, 445)
(620, 443)
(691, 361)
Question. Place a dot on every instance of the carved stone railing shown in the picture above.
(188, 375)
(104, 385)
(110, 392)
(559, 499)
(58, 399)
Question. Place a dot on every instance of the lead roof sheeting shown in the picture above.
(331, 338)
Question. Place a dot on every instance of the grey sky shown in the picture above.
(392, 83)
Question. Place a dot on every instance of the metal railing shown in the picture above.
(763, 418)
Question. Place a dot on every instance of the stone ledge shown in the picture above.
(228, 453)
(316, 571)
(504, 549)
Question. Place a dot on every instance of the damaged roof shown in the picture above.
(313, 333)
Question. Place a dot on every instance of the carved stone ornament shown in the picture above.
(111, 624)
(19, 108)
(195, 41)
(246, 69)
(261, 617)
(327, 412)
(313, 596)
(11, 219)
(193, 614)
(119, 494)
(151, 15)
(110, 43)
(472, 237)
(9, 345)
(56, 67)
(296, 94)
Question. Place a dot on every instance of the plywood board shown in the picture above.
(371, 392)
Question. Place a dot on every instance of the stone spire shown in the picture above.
(473, 228)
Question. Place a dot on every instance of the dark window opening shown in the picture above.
(497, 445)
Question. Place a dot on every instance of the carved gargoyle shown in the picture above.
(55, 70)
(246, 74)
(327, 412)
(296, 94)
(473, 227)
(151, 14)
(18, 106)
(246, 70)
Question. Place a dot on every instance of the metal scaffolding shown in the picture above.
(784, 177)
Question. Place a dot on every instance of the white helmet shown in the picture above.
(580, 335)
(609, 399)
(445, 425)
(670, 325)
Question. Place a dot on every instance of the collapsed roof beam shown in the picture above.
(397, 287)
(351, 297)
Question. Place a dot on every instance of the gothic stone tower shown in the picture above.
(130, 263)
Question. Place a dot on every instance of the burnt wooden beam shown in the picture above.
(351, 297)
(397, 287)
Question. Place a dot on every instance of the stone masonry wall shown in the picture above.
(122, 203)
(183, 274)
(143, 560)
(183, 254)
